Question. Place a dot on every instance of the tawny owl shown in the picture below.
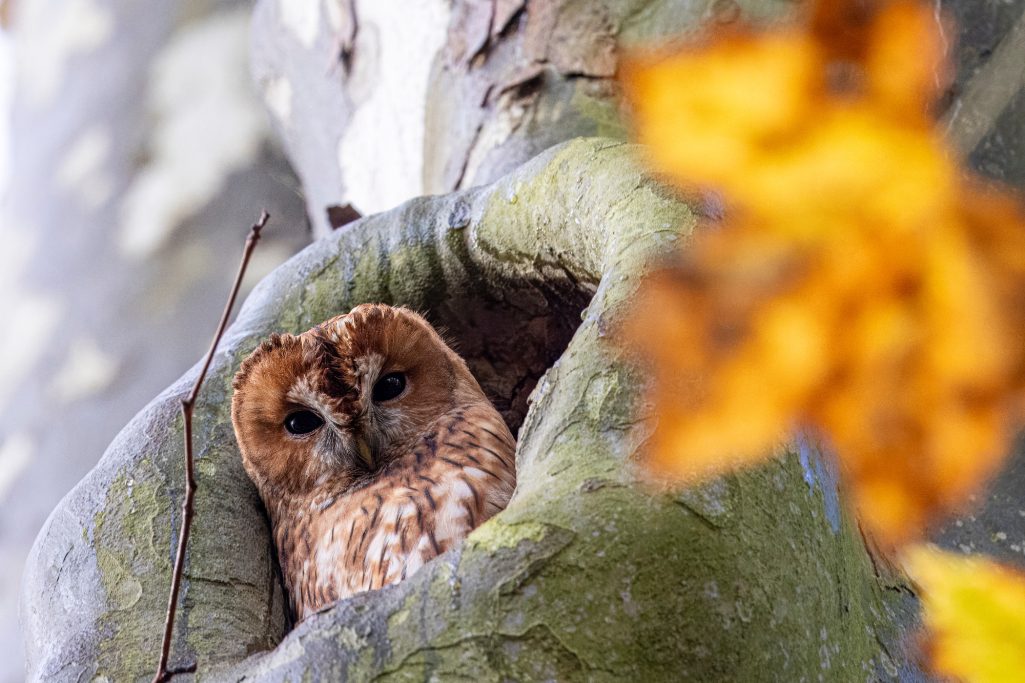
(373, 448)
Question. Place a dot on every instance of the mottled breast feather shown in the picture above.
(375, 483)
(453, 480)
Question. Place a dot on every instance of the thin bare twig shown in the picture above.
(188, 403)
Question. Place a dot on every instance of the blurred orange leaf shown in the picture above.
(861, 286)
(974, 610)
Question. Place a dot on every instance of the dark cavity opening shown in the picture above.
(510, 332)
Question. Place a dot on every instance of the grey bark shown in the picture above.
(501, 82)
(987, 102)
(93, 330)
(986, 118)
(587, 575)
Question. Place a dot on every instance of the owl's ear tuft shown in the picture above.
(269, 345)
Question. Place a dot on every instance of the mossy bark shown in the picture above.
(588, 575)
(490, 85)
(108, 259)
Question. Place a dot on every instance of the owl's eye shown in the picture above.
(303, 422)
(389, 386)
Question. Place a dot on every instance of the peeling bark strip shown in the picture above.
(574, 580)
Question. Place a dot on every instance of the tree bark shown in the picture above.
(381, 101)
(587, 575)
(139, 156)
(984, 117)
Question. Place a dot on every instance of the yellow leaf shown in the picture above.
(860, 286)
(906, 67)
(703, 112)
(974, 614)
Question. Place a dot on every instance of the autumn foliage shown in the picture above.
(973, 609)
(863, 286)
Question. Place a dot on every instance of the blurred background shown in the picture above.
(142, 155)
(135, 152)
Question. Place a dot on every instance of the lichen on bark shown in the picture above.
(588, 575)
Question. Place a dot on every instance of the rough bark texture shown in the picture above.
(380, 101)
(487, 84)
(586, 576)
(987, 102)
(986, 119)
(139, 157)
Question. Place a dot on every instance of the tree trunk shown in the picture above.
(382, 101)
(586, 575)
(139, 157)
(589, 574)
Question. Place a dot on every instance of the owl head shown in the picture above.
(335, 404)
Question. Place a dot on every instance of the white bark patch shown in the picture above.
(33, 319)
(208, 126)
(496, 131)
(18, 243)
(87, 370)
(336, 14)
(19, 347)
(302, 18)
(52, 33)
(15, 455)
(81, 171)
(6, 94)
(277, 93)
(381, 152)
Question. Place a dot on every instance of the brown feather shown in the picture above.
(443, 458)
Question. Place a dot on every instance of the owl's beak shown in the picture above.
(365, 454)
